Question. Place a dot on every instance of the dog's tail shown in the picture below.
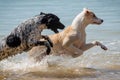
(13, 41)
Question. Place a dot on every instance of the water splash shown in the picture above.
(89, 64)
(93, 57)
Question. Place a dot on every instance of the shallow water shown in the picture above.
(95, 64)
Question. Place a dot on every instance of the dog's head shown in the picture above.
(91, 17)
(52, 22)
(13, 41)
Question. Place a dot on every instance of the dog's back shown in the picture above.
(17, 41)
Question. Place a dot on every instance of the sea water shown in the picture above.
(94, 64)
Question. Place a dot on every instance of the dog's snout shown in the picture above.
(102, 20)
(61, 25)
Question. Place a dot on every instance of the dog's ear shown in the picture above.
(42, 13)
(84, 9)
(49, 20)
(87, 11)
(44, 20)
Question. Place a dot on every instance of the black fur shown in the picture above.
(28, 34)
(13, 41)
(52, 22)
(48, 39)
(45, 43)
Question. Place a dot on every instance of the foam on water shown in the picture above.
(94, 58)
(95, 64)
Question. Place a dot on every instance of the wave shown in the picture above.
(94, 58)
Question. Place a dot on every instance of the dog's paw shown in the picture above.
(48, 39)
(104, 47)
(100, 44)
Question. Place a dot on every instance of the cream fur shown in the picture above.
(72, 40)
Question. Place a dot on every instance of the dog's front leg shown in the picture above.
(92, 44)
(101, 45)
(48, 39)
(44, 43)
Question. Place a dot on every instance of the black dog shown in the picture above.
(28, 34)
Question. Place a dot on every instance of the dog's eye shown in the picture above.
(94, 15)
(57, 19)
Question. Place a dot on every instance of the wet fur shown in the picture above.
(72, 40)
(28, 34)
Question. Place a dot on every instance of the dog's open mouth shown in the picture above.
(56, 31)
(59, 26)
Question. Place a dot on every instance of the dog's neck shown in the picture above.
(79, 23)
(38, 23)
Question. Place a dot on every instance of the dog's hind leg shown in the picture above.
(13, 41)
